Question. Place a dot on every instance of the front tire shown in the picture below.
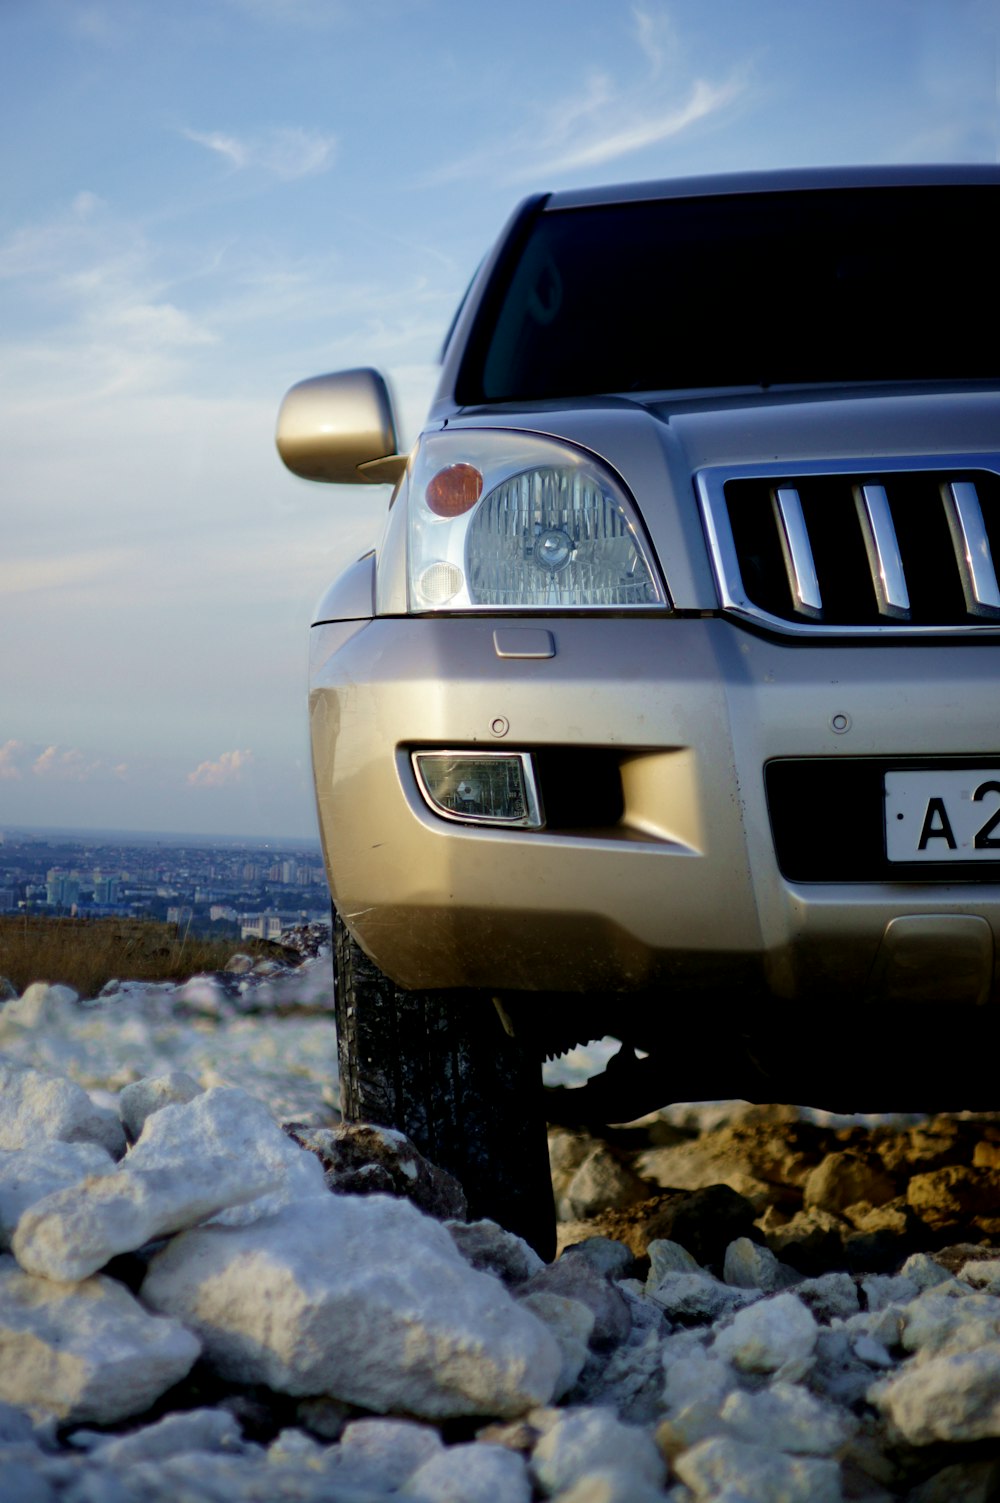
(440, 1067)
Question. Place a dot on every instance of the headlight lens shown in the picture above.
(508, 521)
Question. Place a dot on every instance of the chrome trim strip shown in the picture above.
(710, 484)
(972, 548)
(882, 548)
(800, 565)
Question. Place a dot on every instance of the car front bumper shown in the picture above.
(680, 887)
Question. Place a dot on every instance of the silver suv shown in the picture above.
(668, 708)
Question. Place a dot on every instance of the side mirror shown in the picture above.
(340, 428)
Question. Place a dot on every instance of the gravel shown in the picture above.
(202, 1301)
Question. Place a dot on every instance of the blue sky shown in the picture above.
(207, 200)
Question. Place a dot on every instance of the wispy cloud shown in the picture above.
(286, 152)
(66, 764)
(159, 324)
(12, 758)
(53, 763)
(608, 117)
(229, 768)
(105, 306)
(646, 130)
(30, 576)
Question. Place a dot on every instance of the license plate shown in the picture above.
(947, 815)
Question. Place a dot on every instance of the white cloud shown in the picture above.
(68, 764)
(12, 756)
(646, 129)
(160, 324)
(286, 152)
(655, 36)
(228, 769)
(30, 576)
(606, 118)
(86, 204)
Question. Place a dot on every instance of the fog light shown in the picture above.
(488, 788)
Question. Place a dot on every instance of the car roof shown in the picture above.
(783, 181)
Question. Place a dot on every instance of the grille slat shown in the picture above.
(972, 548)
(882, 547)
(795, 546)
(895, 549)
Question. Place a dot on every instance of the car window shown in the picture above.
(745, 290)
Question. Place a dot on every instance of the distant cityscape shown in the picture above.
(203, 887)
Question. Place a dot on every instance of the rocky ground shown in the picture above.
(211, 1290)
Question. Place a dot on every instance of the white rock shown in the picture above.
(29, 1174)
(295, 1445)
(613, 1485)
(144, 1097)
(785, 1417)
(492, 1249)
(34, 1105)
(41, 1006)
(383, 1453)
(359, 1297)
(755, 1475)
(949, 1318)
(217, 1478)
(223, 1123)
(600, 1183)
(830, 1296)
(474, 1473)
(872, 1352)
(218, 1125)
(698, 1296)
(590, 1439)
(983, 1274)
(630, 1380)
(777, 1335)
(567, 1151)
(87, 1353)
(668, 1257)
(223, 1127)
(192, 1161)
(749, 1266)
(882, 1290)
(71, 1233)
(571, 1323)
(604, 1254)
(697, 1386)
(953, 1397)
(925, 1271)
(837, 1373)
(190, 1430)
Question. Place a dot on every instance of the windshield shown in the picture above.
(756, 289)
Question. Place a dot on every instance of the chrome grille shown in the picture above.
(897, 549)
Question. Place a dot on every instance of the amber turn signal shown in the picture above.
(454, 490)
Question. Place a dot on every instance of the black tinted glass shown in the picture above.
(758, 289)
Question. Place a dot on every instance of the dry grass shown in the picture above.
(87, 953)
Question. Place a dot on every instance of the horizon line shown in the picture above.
(145, 837)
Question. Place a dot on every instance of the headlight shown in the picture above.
(508, 521)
